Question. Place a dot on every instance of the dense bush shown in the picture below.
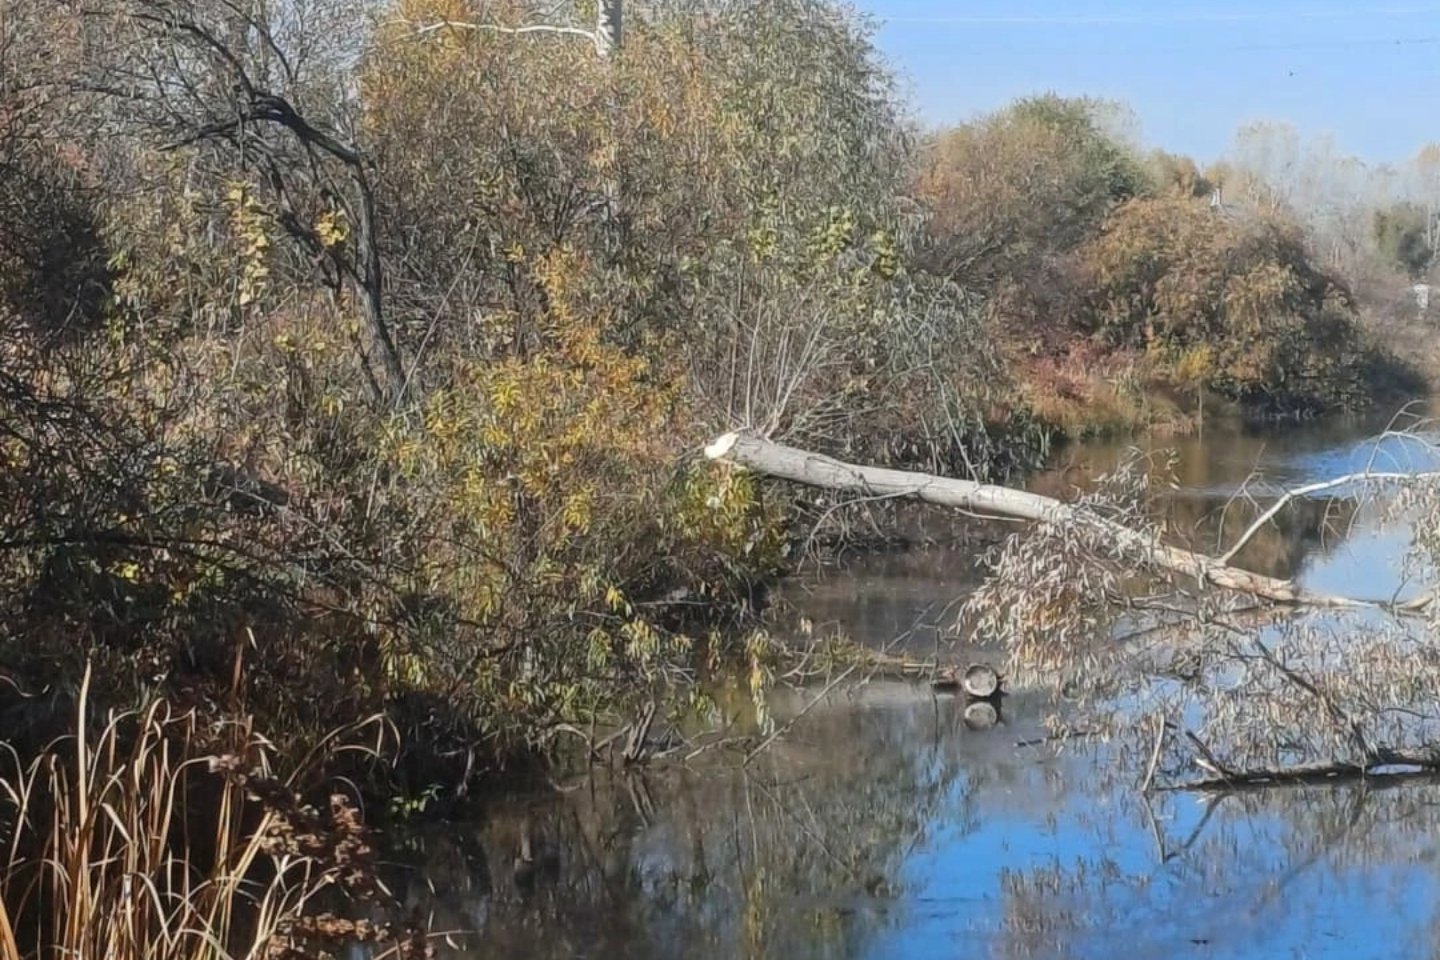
(398, 393)
(1232, 303)
(1117, 280)
(1013, 189)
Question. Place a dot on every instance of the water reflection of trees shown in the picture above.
(1212, 503)
(1237, 879)
(1304, 531)
(875, 823)
(1208, 491)
(798, 855)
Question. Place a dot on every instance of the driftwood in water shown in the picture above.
(981, 680)
(816, 470)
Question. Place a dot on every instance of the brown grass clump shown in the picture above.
(160, 836)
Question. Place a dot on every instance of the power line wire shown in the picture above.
(1197, 16)
(1326, 44)
(1205, 48)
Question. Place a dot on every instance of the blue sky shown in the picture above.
(1193, 70)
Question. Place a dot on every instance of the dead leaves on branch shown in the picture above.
(1252, 694)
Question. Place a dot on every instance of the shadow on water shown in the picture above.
(885, 826)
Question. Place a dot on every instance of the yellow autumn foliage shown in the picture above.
(399, 396)
(1236, 304)
(551, 498)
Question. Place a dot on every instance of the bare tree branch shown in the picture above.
(439, 25)
(1351, 479)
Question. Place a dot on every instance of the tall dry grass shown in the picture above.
(163, 837)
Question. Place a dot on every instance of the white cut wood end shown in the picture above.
(720, 446)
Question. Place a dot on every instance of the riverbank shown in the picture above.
(1085, 393)
(311, 454)
(530, 847)
(885, 826)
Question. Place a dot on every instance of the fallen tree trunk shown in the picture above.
(816, 470)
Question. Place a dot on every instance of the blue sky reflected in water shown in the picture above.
(1249, 888)
(1372, 893)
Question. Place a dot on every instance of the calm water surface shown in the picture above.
(883, 825)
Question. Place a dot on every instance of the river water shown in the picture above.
(883, 824)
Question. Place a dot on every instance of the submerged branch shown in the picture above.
(1386, 765)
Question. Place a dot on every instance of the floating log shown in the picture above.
(979, 680)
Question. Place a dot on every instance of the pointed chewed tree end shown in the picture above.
(718, 448)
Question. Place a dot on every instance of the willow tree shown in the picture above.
(252, 99)
(735, 180)
(1269, 681)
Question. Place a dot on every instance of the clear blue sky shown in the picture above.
(1193, 70)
